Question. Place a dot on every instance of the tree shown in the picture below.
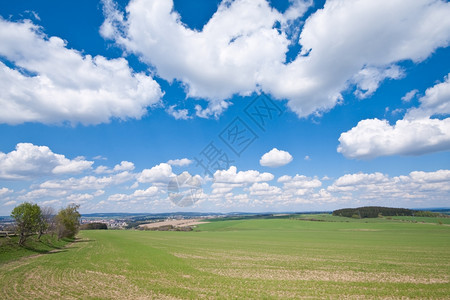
(68, 221)
(93, 226)
(47, 220)
(27, 218)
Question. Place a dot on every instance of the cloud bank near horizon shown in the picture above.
(123, 188)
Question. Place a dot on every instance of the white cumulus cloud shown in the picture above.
(42, 193)
(124, 166)
(30, 161)
(135, 196)
(178, 114)
(88, 182)
(51, 202)
(299, 181)
(79, 198)
(159, 173)
(263, 189)
(240, 50)
(372, 138)
(242, 177)
(436, 101)
(180, 162)
(412, 190)
(417, 133)
(409, 95)
(350, 182)
(4, 191)
(275, 158)
(50, 83)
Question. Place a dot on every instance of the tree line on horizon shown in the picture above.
(94, 226)
(31, 219)
(379, 211)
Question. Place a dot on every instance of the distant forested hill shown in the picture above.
(376, 211)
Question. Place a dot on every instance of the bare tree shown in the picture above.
(47, 221)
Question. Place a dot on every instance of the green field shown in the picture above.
(267, 258)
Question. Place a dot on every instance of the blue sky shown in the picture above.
(105, 103)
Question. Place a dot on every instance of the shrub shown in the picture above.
(93, 226)
(68, 221)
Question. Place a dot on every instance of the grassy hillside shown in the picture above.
(268, 258)
(10, 250)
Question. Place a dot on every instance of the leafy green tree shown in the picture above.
(68, 221)
(27, 218)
